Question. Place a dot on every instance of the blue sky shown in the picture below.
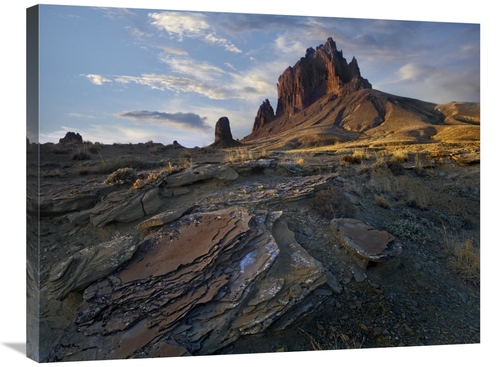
(132, 75)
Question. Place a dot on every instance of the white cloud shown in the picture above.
(220, 41)
(191, 25)
(80, 115)
(138, 33)
(180, 24)
(97, 79)
(412, 72)
(287, 45)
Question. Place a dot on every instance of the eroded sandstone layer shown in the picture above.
(193, 287)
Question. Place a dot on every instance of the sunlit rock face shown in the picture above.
(265, 115)
(320, 72)
(194, 286)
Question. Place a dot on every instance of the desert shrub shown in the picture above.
(352, 159)
(156, 149)
(83, 170)
(400, 156)
(151, 179)
(331, 203)
(93, 150)
(185, 154)
(60, 150)
(412, 227)
(457, 189)
(382, 202)
(155, 177)
(81, 156)
(300, 161)
(465, 258)
(413, 192)
(244, 154)
(395, 167)
(419, 165)
(409, 230)
(121, 176)
(360, 154)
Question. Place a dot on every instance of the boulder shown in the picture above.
(365, 241)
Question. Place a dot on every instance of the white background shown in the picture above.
(12, 191)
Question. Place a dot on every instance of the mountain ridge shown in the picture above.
(323, 99)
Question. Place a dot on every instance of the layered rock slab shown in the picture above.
(90, 264)
(194, 287)
(365, 241)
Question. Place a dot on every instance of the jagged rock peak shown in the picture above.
(322, 71)
(223, 136)
(265, 114)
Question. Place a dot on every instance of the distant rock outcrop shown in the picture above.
(71, 138)
(223, 136)
(265, 114)
(322, 71)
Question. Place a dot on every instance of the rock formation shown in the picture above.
(265, 114)
(322, 71)
(71, 138)
(91, 264)
(195, 286)
(223, 136)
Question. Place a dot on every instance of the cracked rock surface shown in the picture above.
(196, 285)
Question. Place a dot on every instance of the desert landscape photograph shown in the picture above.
(211, 183)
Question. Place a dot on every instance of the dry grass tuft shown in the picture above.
(465, 257)
(330, 203)
(400, 156)
(382, 202)
(244, 154)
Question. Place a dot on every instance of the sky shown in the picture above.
(130, 75)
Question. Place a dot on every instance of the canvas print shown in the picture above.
(206, 183)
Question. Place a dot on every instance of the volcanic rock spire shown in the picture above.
(223, 136)
(265, 114)
(322, 71)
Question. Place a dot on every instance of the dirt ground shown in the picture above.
(429, 296)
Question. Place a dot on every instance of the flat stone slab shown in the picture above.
(199, 173)
(366, 241)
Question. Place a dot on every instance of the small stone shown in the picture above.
(359, 275)
(295, 291)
